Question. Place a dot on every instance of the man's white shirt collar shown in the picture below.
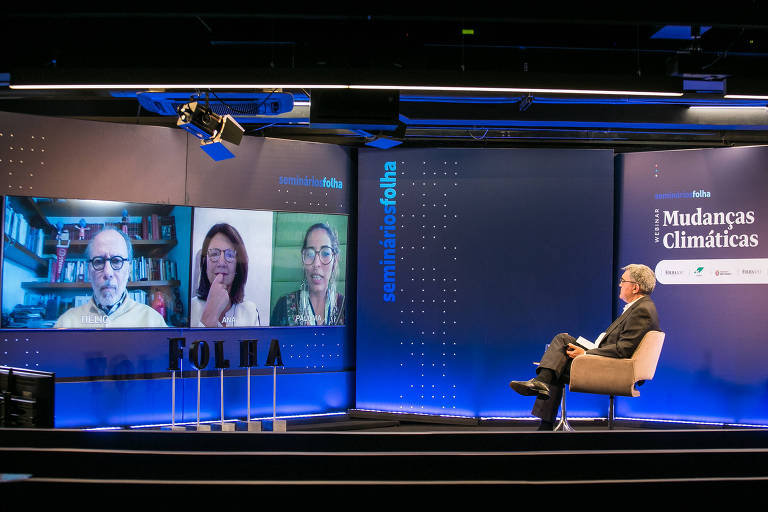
(629, 304)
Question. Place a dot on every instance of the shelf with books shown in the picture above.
(24, 213)
(19, 254)
(24, 230)
(84, 285)
(149, 248)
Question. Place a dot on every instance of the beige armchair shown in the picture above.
(610, 376)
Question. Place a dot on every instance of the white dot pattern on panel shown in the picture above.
(316, 355)
(429, 245)
(22, 160)
(19, 352)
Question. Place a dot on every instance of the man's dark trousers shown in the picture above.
(558, 361)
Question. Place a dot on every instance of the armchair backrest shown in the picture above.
(646, 356)
(612, 376)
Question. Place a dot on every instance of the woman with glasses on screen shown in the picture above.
(316, 302)
(220, 298)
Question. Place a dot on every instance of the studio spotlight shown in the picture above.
(211, 129)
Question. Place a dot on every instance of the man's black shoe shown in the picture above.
(531, 387)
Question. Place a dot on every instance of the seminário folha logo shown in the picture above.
(311, 181)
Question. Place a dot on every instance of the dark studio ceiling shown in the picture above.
(701, 54)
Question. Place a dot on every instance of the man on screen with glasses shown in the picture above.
(109, 265)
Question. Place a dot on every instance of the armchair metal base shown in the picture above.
(563, 425)
(612, 412)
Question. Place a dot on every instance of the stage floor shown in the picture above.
(368, 421)
(352, 458)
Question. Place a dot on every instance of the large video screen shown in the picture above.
(73, 263)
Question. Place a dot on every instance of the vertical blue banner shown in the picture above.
(698, 217)
(468, 263)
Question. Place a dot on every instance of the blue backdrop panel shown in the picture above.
(148, 401)
(677, 209)
(121, 377)
(468, 263)
(105, 377)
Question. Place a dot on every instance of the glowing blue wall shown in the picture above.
(712, 366)
(121, 377)
(496, 251)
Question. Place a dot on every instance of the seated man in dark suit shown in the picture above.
(619, 340)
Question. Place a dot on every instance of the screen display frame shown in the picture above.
(61, 229)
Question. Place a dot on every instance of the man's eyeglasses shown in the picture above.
(622, 281)
(99, 262)
(229, 254)
(308, 254)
